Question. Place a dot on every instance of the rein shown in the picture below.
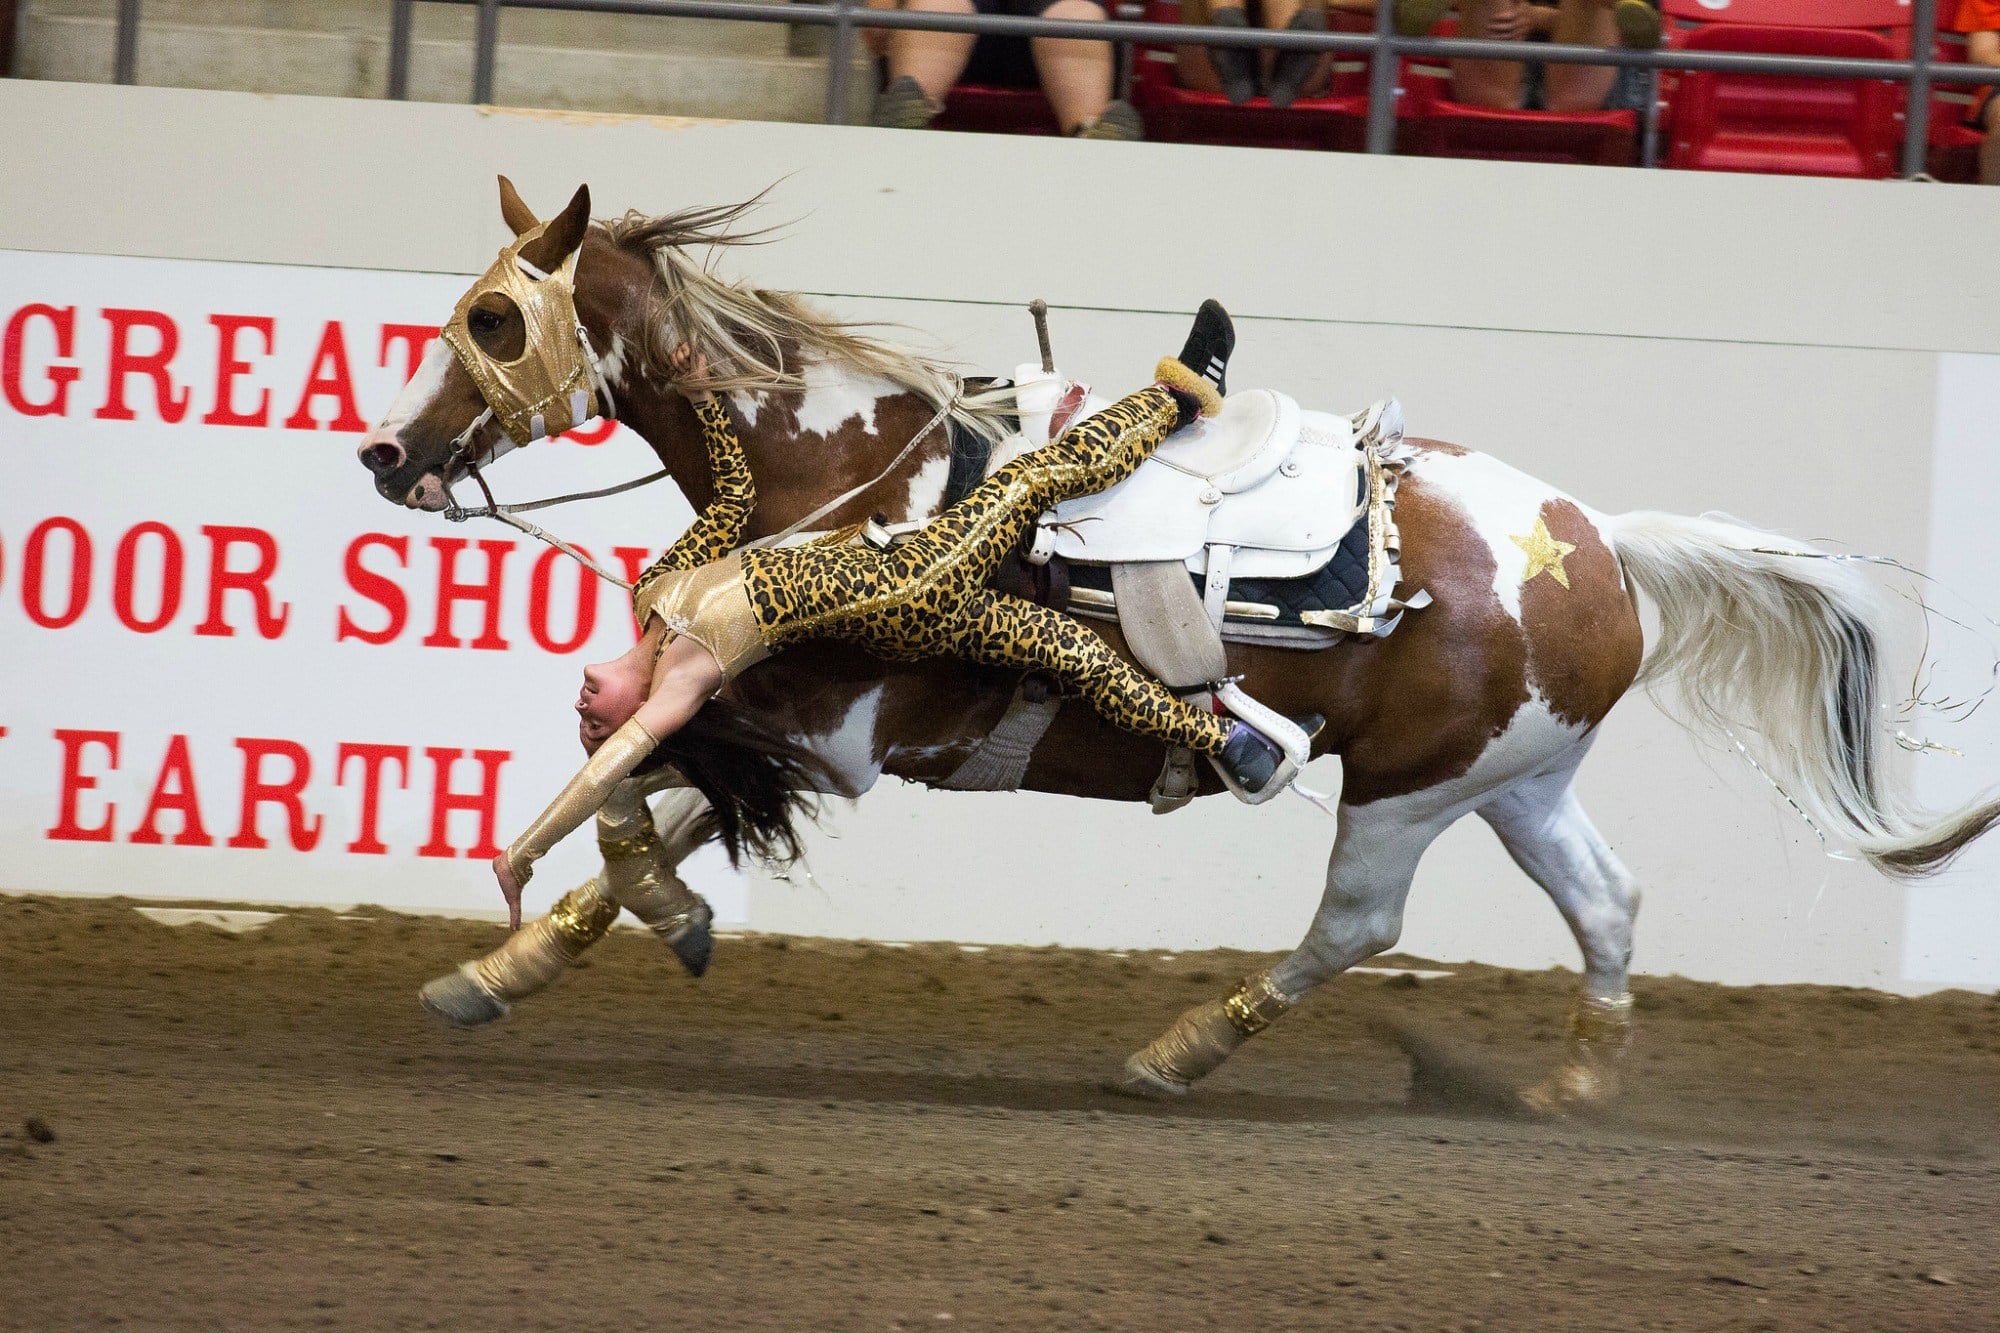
(463, 455)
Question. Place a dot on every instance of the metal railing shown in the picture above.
(1383, 46)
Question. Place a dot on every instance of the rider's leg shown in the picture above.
(999, 630)
(640, 856)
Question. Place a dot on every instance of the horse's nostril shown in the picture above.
(382, 457)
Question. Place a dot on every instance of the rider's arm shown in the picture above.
(718, 529)
(622, 751)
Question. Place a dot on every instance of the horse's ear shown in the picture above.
(563, 234)
(517, 215)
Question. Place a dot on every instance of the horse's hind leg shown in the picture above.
(1544, 828)
(1368, 878)
(638, 876)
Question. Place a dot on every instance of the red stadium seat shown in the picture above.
(1875, 15)
(1786, 126)
(1439, 127)
(992, 109)
(1173, 114)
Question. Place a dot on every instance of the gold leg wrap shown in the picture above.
(1600, 1032)
(542, 950)
(640, 876)
(1203, 1037)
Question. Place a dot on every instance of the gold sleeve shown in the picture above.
(718, 529)
(623, 750)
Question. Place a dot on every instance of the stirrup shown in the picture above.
(1294, 746)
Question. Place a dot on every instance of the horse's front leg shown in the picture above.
(1368, 878)
(641, 854)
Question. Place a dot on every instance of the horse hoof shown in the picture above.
(460, 1001)
(1142, 1082)
(694, 948)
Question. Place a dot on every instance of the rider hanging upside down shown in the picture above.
(710, 612)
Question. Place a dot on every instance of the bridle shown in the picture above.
(463, 455)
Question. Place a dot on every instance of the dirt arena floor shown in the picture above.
(264, 1132)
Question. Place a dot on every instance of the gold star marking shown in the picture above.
(1544, 553)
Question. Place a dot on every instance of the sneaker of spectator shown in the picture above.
(1239, 73)
(1075, 74)
(1979, 20)
(1513, 85)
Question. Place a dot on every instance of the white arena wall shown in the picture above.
(1816, 356)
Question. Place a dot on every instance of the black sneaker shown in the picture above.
(903, 105)
(1252, 758)
(1210, 343)
(1289, 75)
(1235, 66)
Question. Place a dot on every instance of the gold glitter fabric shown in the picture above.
(639, 872)
(927, 597)
(1256, 1004)
(542, 950)
(711, 606)
(622, 751)
(1199, 1041)
(1600, 1030)
(548, 388)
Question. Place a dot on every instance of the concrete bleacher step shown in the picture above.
(340, 48)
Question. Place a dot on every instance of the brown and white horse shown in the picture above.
(1484, 703)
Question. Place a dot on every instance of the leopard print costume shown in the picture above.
(927, 596)
(718, 528)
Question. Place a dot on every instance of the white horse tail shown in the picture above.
(1774, 647)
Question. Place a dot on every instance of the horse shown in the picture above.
(1483, 703)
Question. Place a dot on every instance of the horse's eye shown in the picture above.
(483, 321)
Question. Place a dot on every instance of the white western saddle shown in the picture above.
(1265, 491)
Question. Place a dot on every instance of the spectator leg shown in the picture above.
(934, 59)
(1989, 147)
(1581, 87)
(1076, 75)
(1192, 68)
(1983, 48)
(877, 39)
(1491, 83)
(1293, 72)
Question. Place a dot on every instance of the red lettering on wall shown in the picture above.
(538, 605)
(174, 791)
(34, 596)
(485, 802)
(228, 366)
(377, 588)
(223, 580)
(68, 827)
(589, 434)
(258, 793)
(59, 377)
(155, 365)
(125, 575)
(373, 759)
(452, 591)
(330, 378)
(416, 339)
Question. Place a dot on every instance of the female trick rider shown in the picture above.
(710, 612)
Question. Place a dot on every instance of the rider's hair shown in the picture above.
(758, 780)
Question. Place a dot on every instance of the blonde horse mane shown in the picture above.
(761, 341)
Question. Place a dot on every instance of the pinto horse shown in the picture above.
(1483, 703)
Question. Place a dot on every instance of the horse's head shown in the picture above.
(514, 363)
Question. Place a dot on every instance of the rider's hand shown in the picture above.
(509, 889)
(689, 368)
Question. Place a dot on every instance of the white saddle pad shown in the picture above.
(1281, 485)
